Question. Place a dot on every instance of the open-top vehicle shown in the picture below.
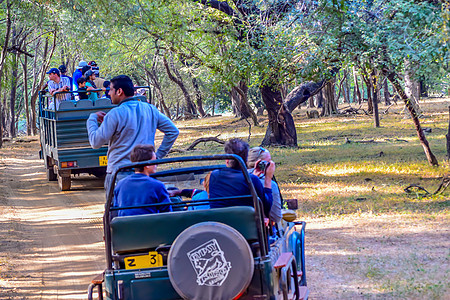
(191, 253)
(64, 139)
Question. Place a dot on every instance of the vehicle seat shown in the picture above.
(143, 232)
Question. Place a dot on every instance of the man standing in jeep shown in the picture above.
(131, 123)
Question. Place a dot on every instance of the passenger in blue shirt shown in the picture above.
(230, 181)
(139, 188)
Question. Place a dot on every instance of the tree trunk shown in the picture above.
(376, 117)
(412, 87)
(311, 102)
(320, 99)
(13, 90)
(281, 128)
(2, 60)
(242, 106)
(198, 96)
(357, 90)
(239, 108)
(25, 93)
(190, 110)
(369, 89)
(330, 103)
(346, 87)
(155, 81)
(387, 99)
(393, 78)
(448, 135)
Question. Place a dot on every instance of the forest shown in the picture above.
(205, 57)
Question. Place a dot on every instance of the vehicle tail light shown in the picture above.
(68, 164)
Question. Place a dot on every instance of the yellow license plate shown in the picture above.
(103, 160)
(152, 260)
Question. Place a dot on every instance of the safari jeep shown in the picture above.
(190, 253)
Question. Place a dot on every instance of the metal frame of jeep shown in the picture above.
(65, 145)
(283, 262)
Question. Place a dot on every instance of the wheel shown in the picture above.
(51, 176)
(99, 174)
(64, 183)
(210, 260)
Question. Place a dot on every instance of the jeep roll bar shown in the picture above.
(259, 219)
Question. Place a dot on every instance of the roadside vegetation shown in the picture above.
(366, 237)
(343, 165)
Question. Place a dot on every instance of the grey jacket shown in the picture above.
(131, 123)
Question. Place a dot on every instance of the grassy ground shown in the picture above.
(345, 165)
(366, 237)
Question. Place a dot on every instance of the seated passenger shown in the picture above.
(140, 189)
(230, 181)
(257, 155)
(194, 194)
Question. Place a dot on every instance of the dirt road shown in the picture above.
(50, 241)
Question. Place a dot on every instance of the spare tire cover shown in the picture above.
(210, 260)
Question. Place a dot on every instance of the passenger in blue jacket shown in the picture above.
(131, 123)
(139, 188)
(230, 181)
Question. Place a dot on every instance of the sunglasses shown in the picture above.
(261, 150)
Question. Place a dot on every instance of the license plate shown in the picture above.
(152, 260)
(103, 160)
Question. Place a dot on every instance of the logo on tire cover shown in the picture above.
(209, 263)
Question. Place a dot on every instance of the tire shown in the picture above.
(51, 176)
(64, 183)
(210, 260)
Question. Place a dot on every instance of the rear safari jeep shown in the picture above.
(191, 253)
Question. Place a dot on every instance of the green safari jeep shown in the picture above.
(196, 253)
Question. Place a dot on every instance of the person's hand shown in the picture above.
(174, 193)
(270, 169)
(66, 88)
(266, 222)
(100, 116)
(257, 171)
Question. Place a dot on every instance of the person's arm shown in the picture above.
(170, 131)
(275, 210)
(100, 135)
(264, 193)
(164, 198)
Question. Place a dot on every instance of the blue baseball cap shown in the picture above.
(53, 70)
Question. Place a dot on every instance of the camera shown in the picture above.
(262, 165)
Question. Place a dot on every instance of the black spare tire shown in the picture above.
(210, 260)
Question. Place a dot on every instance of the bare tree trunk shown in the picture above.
(155, 81)
(311, 102)
(387, 99)
(447, 136)
(25, 93)
(242, 89)
(198, 96)
(412, 87)
(240, 110)
(281, 128)
(190, 109)
(346, 87)
(358, 93)
(2, 60)
(13, 90)
(393, 78)
(330, 105)
(376, 117)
